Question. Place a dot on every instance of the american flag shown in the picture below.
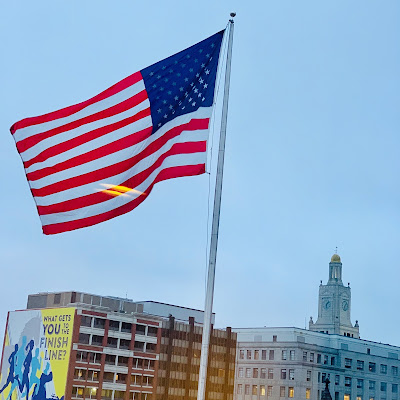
(100, 158)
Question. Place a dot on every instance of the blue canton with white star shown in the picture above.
(182, 83)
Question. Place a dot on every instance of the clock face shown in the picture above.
(345, 305)
(327, 304)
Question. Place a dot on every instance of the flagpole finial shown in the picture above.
(233, 15)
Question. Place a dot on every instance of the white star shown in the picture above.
(151, 73)
(161, 88)
(173, 83)
(207, 71)
(166, 80)
(190, 69)
(194, 103)
(158, 76)
(205, 86)
(199, 95)
(186, 79)
(181, 89)
(169, 92)
(192, 84)
(201, 50)
(203, 65)
(159, 124)
(183, 65)
(164, 67)
(164, 101)
(176, 97)
(196, 60)
(196, 90)
(186, 94)
(207, 55)
(201, 80)
(171, 107)
(171, 71)
(159, 110)
(203, 99)
(188, 56)
(197, 75)
(190, 99)
(154, 86)
(212, 45)
(165, 115)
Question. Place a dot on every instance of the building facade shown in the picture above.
(119, 352)
(281, 363)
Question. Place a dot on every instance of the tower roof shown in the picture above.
(335, 258)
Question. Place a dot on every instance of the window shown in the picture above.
(395, 387)
(113, 326)
(80, 374)
(371, 398)
(332, 360)
(372, 367)
(240, 373)
(262, 390)
(248, 372)
(263, 354)
(271, 354)
(325, 359)
(346, 397)
(284, 354)
(57, 298)
(140, 329)
(371, 385)
(151, 347)
(249, 354)
(241, 354)
(282, 391)
(152, 331)
(112, 342)
(93, 375)
(84, 338)
(123, 361)
(269, 391)
(308, 376)
(126, 327)
(348, 362)
(247, 389)
(77, 391)
(120, 378)
(239, 389)
(90, 392)
(308, 393)
(86, 321)
(336, 395)
(291, 374)
(274, 338)
(256, 354)
(283, 373)
(97, 340)
(323, 377)
(263, 374)
(360, 365)
(337, 379)
(124, 344)
(254, 390)
(291, 392)
(304, 356)
(359, 397)
(108, 377)
(383, 369)
(319, 358)
(319, 377)
(99, 323)
(347, 381)
(139, 346)
(147, 381)
(255, 372)
(270, 373)
(368, 351)
(395, 371)
(383, 386)
(292, 355)
(360, 383)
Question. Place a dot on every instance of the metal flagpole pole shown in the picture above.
(215, 226)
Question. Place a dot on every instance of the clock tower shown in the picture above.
(334, 304)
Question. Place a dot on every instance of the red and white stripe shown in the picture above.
(78, 158)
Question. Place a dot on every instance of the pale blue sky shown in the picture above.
(312, 158)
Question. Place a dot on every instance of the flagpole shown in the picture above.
(201, 393)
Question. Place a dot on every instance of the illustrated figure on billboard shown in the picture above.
(11, 378)
(35, 368)
(39, 392)
(27, 368)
